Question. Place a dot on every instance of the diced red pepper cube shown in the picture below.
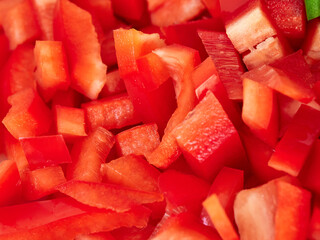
(88, 73)
(107, 196)
(133, 233)
(314, 227)
(28, 116)
(250, 27)
(45, 151)
(20, 25)
(88, 154)
(42, 182)
(140, 140)
(200, 138)
(260, 111)
(44, 12)
(70, 122)
(291, 152)
(119, 171)
(226, 60)
(10, 183)
(111, 113)
(52, 72)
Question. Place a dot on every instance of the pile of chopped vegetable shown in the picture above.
(160, 119)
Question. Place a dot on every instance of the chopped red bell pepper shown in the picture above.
(213, 7)
(111, 113)
(70, 122)
(291, 152)
(260, 111)
(28, 116)
(119, 171)
(88, 73)
(88, 154)
(226, 60)
(69, 98)
(19, 24)
(18, 74)
(107, 196)
(96, 236)
(133, 233)
(200, 138)
(290, 18)
(44, 12)
(140, 140)
(45, 151)
(42, 182)
(311, 43)
(52, 72)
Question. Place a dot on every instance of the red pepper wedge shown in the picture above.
(119, 171)
(107, 196)
(88, 154)
(88, 73)
(28, 116)
(45, 151)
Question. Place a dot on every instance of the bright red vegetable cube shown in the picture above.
(45, 151)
